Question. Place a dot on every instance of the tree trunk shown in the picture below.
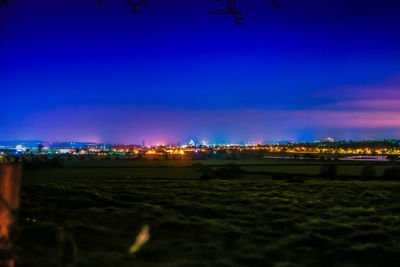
(10, 181)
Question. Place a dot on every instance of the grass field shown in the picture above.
(250, 221)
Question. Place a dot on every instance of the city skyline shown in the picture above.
(187, 143)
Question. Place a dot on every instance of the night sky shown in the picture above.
(84, 71)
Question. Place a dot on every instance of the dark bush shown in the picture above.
(228, 172)
(329, 171)
(392, 173)
(368, 173)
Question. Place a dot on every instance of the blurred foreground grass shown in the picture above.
(251, 221)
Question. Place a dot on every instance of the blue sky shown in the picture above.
(91, 72)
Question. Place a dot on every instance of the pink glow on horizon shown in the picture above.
(160, 125)
(371, 104)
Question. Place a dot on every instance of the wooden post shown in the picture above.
(10, 182)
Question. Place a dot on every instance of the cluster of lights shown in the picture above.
(135, 150)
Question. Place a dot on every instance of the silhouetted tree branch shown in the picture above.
(230, 8)
(275, 4)
(134, 5)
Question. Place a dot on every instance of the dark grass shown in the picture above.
(222, 222)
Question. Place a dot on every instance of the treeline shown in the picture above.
(34, 161)
(39, 161)
(368, 173)
(328, 171)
